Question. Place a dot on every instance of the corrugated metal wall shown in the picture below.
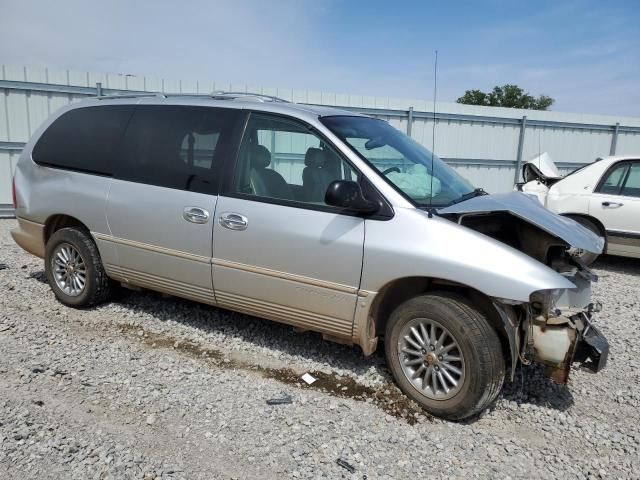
(480, 142)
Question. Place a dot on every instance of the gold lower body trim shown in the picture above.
(161, 284)
(291, 316)
(30, 236)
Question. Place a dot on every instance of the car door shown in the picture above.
(616, 203)
(163, 196)
(278, 250)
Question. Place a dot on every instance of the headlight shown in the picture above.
(544, 301)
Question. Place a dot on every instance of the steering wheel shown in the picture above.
(389, 170)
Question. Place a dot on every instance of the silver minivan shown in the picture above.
(315, 217)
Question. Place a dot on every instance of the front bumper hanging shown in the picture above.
(593, 349)
(560, 341)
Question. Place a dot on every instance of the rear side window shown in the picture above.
(174, 146)
(84, 139)
(614, 179)
(632, 184)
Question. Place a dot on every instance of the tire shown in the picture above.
(587, 257)
(482, 362)
(97, 286)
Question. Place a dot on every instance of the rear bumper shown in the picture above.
(30, 236)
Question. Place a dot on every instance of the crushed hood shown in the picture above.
(531, 211)
(541, 168)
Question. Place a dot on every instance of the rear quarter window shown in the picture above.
(84, 139)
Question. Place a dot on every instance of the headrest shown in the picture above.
(314, 157)
(260, 156)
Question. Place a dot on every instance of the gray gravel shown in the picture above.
(154, 387)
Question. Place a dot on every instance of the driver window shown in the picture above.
(283, 159)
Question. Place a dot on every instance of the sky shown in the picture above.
(583, 53)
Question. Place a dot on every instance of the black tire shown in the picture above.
(587, 257)
(97, 287)
(479, 344)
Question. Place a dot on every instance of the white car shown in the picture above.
(603, 196)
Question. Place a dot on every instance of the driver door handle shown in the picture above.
(612, 204)
(233, 221)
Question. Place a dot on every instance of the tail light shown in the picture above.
(13, 193)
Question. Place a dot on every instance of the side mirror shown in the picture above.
(348, 195)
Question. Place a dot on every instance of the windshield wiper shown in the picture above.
(478, 192)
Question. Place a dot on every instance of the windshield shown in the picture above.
(404, 163)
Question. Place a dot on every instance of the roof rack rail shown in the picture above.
(129, 95)
(218, 95)
(258, 96)
(197, 95)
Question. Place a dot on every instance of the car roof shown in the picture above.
(605, 162)
(254, 102)
(616, 158)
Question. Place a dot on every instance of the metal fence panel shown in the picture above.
(458, 139)
(18, 115)
(492, 179)
(4, 118)
(565, 144)
(628, 144)
(7, 165)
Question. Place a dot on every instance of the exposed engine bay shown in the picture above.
(521, 235)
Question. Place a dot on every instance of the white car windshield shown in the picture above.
(404, 163)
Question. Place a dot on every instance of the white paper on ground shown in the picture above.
(309, 379)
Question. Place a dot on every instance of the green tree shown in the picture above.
(510, 96)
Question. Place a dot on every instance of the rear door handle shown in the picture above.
(233, 221)
(612, 204)
(195, 215)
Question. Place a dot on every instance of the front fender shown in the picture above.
(563, 203)
(411, 244)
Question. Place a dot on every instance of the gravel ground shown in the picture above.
(154, 387)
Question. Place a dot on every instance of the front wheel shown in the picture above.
(444, 354)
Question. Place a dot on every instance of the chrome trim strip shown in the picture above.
(152, 248)
(283, 314)
(285, 276)
(623, 234)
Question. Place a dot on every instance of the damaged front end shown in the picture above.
(558, 329)
(555, 328)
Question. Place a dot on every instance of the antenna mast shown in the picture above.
(433, 131)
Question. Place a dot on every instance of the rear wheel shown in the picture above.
(444, 355)
(74, 268)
